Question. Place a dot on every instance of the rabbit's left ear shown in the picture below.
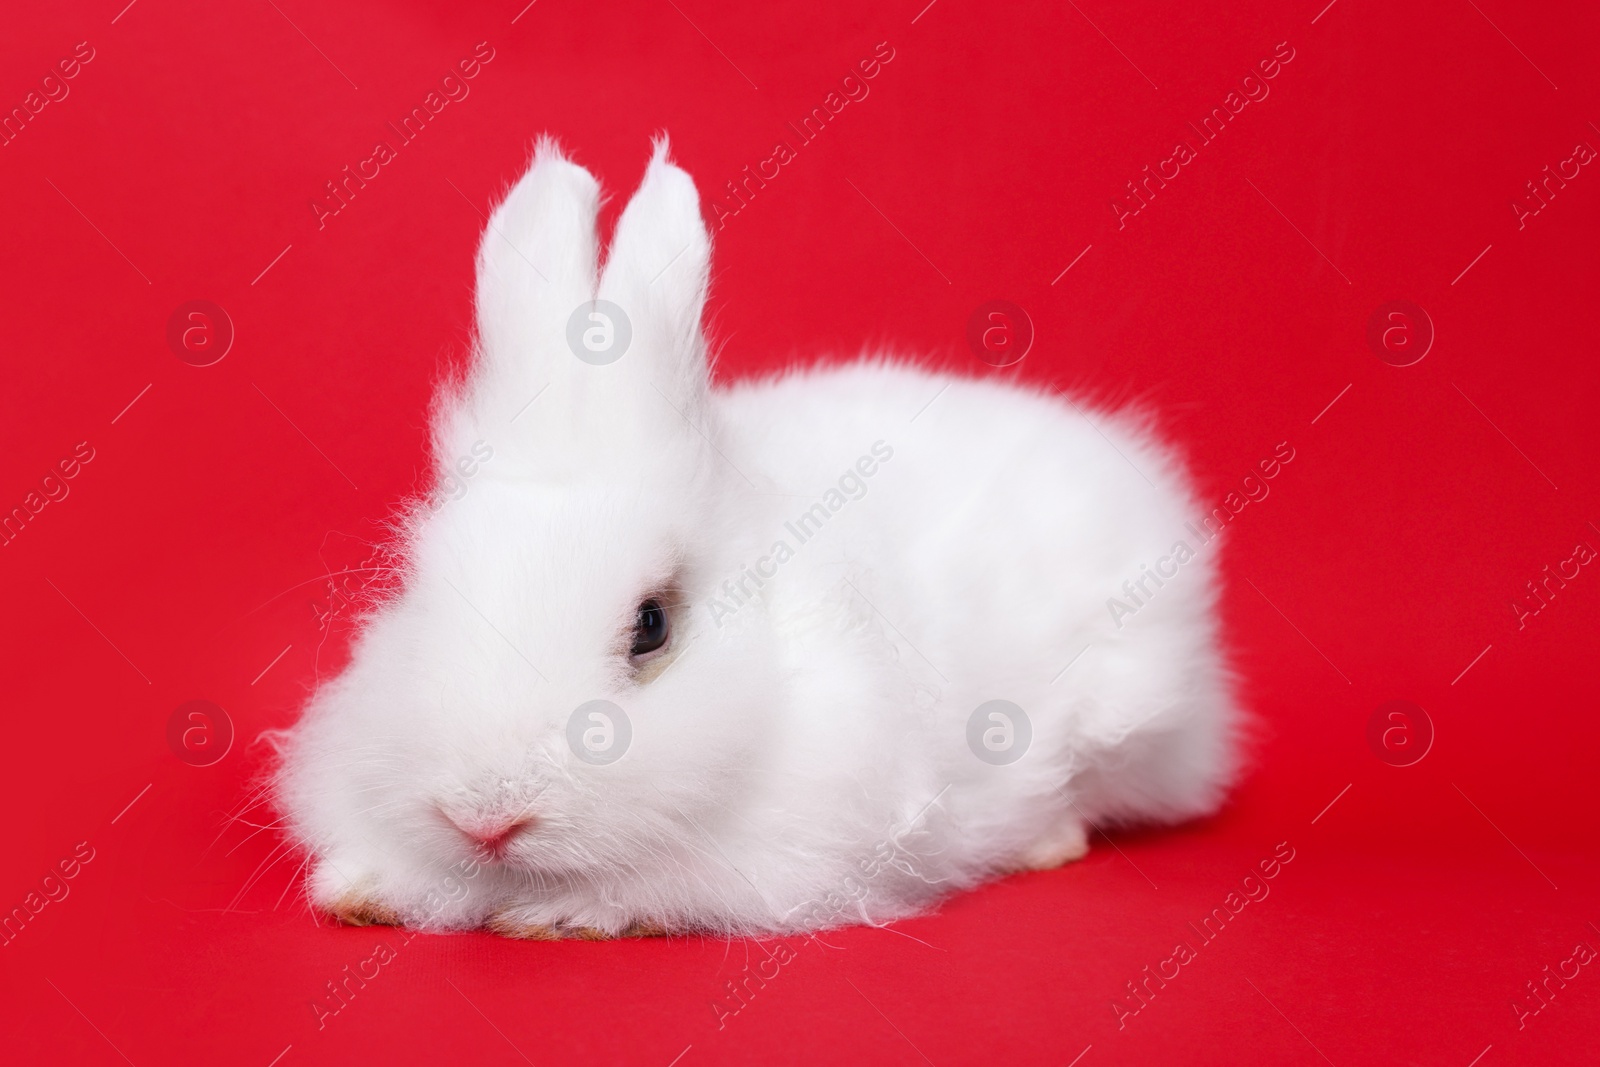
(656, 272)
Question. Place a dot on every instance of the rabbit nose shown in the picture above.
(493, 837)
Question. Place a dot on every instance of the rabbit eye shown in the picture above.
(650, 628)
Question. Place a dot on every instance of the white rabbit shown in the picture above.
(805, 735)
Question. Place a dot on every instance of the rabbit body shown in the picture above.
(857, 561)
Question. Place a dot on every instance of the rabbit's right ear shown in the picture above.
(536, 263)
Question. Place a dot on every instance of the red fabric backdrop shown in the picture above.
(1382, 161)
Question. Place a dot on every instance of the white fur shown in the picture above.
(802, 759)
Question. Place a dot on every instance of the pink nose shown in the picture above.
(494, 838)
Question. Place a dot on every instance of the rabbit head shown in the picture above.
(541, 696)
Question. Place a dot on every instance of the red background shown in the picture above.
(192, 549)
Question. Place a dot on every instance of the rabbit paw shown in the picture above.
(357, 909)
(352, 899)
(510, 924)
(1063, 843)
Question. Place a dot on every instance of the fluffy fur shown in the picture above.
(799, 755)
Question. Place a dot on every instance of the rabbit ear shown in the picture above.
(536, 263)
(622, 356)
(656, 272)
